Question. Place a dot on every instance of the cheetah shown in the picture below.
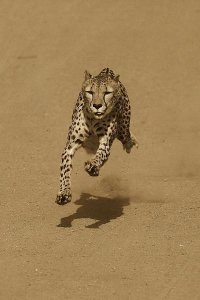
(103, 111)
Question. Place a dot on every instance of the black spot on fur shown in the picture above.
(99, 128)
(78, 141)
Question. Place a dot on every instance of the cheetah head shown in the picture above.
(101, 93)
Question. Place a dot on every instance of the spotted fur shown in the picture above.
(102, 110)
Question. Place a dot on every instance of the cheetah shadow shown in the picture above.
(100, 209)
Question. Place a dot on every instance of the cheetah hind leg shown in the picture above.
(130, 143)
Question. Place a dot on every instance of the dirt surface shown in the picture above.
(133, 232)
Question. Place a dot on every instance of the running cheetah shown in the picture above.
(102, 110)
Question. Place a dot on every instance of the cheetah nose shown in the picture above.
(97, 106)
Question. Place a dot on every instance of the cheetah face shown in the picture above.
(100, 94)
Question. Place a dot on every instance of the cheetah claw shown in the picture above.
(63, 199)
(91, 169)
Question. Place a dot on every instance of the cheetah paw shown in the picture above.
(130, 143)
(63, 199)
(91, 169)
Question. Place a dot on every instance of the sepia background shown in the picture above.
(133, 232)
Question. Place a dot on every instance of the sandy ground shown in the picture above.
(133, 232)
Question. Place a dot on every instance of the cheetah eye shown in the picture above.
(90, 92)
(107, 93)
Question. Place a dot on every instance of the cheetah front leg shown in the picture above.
(64, 196)
(93, 166)
(74, 142)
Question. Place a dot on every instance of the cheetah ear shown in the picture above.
(116, 77)
(87, 75)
